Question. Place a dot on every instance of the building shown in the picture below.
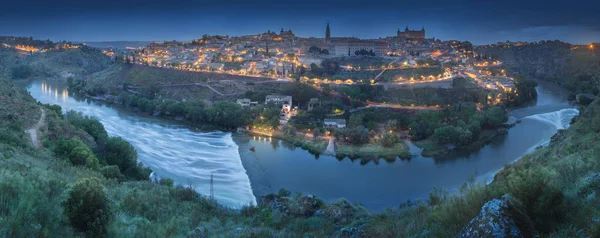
(349, 46)
(278, 99)
(334, 123)
(411, 34)
(286, 34)
(245, 102)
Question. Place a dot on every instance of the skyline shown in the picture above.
(479, 23)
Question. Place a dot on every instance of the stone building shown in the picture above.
(411, 34)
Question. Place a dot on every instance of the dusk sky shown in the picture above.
(480, 22)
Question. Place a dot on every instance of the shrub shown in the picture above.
(112, 172)
(90, 125)
(77, 152)
(88, 207)
(284, 193)
(495, 116)
(119, 152)
(182, 193)
(389, 139)
(167, 182)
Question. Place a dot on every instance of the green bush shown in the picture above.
(87, 207)
(77, 152)
(119, 152)
(389, 139)
(495, 116)
(112, 172)
(90, 125)
(166, 182)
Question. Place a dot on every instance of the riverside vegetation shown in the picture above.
(557, 186)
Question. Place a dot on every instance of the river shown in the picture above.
(189, 157)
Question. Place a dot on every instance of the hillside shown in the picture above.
(61, 63)
(572, 66)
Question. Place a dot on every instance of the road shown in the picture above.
(383, 71)
(35, 130)
(395, 106)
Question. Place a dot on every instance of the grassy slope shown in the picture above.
(140, 208)
(374, 148)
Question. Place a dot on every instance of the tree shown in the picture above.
(77, 152)
(446, 134)
(120, 153)
(373, 126)
(87, 207)
(356, 120)
(495, 116)
(91, 125)
(389, 139)
(316, 132)
(391, 125)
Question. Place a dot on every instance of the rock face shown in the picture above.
(585, 98)
(503, 217)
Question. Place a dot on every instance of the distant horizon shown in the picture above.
(479, 22)
(190, 40)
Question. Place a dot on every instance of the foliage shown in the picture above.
(495, 116)
(112, 172)
(77, 152)
(354, 135)
(364, 52)
(89, 124)
(88, 207)
(21, 72)
(120, 153)
(389, 139)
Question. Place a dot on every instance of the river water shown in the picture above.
(189, 157)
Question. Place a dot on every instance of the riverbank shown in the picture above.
(431, 148)
(365, 152)
(373, 150)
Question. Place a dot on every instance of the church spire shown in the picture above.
(327, 33)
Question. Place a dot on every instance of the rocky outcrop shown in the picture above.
(585, 98)
(503, 217)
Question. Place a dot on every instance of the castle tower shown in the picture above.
(327, 33)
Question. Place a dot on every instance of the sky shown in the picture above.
(481, 22)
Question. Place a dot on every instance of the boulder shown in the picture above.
(503, 217)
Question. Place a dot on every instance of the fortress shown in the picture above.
(411, 34)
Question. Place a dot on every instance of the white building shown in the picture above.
(278, 99)
(245, 102)
(334, 123)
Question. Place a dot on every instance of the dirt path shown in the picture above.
(330, 147)
(35, 130)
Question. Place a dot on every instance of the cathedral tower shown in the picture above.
(327, 33)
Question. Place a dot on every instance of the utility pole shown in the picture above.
(212, 188)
